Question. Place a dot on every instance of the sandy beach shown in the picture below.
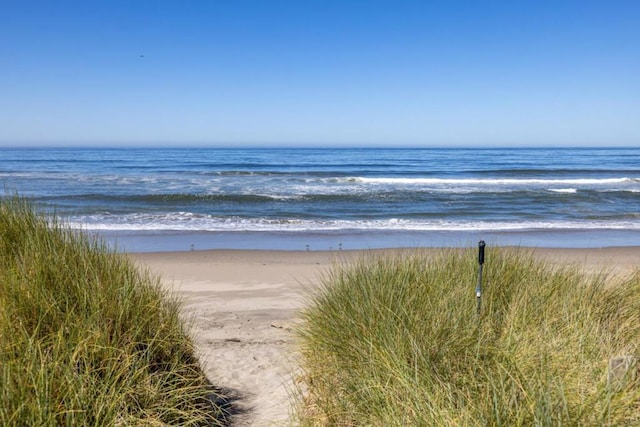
(244, 306)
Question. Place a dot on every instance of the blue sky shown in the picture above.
(236, 72)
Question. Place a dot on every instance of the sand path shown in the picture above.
(243, 306)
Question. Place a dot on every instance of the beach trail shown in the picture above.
(243, 306)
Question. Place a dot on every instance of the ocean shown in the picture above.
(157, 199)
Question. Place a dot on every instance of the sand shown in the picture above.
(244, 306)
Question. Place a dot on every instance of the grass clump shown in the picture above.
(397, 341)
(86, 338)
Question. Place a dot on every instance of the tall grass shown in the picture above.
(397, 341)
(86, 338)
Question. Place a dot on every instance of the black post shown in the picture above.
(481, 246)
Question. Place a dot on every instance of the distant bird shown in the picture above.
(141, 56)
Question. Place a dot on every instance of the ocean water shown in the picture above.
(320, 199)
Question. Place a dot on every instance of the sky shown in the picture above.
(310, 72)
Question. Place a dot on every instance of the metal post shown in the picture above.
(481, 246)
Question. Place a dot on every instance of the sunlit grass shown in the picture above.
(86, 338)
(397, 341)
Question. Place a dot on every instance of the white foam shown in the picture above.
(489, 181)
(185, 221)
(564, 190)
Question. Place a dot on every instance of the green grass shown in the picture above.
(397, 341)
(86, 338)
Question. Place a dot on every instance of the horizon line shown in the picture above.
(307, 146)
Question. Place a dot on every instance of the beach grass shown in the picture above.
(86, 338)
(397, 340)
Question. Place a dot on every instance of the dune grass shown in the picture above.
(397, 341)
(86, 338)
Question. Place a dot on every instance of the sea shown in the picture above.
(163, 199)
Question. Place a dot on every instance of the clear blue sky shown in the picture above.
(306, 72)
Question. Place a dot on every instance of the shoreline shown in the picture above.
(171, 241)
(243, 307)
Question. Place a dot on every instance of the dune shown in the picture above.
(243, 307)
